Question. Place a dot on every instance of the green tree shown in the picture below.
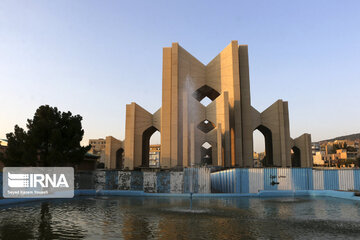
(19, 152)
(53, 139)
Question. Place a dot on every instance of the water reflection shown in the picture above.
(171, 218)
(45, 229)
(16, 231)
(35, 222)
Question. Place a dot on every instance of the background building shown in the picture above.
(98, 148)
(258, 159)
(154, 156)
(336, 153)
(97, 144)
(110, 151)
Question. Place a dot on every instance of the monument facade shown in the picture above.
(219, 134)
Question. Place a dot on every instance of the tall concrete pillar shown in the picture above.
(174, 127)
(165, 157)
(185, 135)
(246, 121)
(219, 160)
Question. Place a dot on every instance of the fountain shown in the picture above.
(191, 186)
(191, 200)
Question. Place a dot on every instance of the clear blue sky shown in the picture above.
(94, 57)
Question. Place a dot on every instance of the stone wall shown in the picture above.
(195, 180)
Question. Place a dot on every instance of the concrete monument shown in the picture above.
(219, 134)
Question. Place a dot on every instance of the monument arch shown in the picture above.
(146, 145)
(268, 159)
(295, 157)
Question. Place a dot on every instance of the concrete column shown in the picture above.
(288, 140)
(130, 137)
(166, 111)
(226, 129)
(219, 160)
(174, 104)
(246, 121)
(282, 144)
(185, 129)
(237, 105)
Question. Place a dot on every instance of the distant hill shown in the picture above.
(351, 137)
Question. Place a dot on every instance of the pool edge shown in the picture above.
(260, 194)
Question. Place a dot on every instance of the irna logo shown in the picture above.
(18, 180)
(38, 182)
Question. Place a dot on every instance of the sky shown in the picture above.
(94, 57)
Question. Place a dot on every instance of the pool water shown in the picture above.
(171, 218)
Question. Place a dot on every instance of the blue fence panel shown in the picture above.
(238, 180)
(217, 181)
(233, 180)
(300, 179)
(227, 181)
(244, 176)
(212, 181)
(222, 181)
(357, 179)
(310, 179)
(196, 179)
(331, 179)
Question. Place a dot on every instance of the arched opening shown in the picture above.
(295, 157)
(119, 158)
(206, 154)
(155, 149)
(147, 134)
(262, 147)
(258, 149)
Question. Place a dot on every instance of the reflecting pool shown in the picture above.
(171, 218)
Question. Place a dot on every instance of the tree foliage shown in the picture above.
(52, 139)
